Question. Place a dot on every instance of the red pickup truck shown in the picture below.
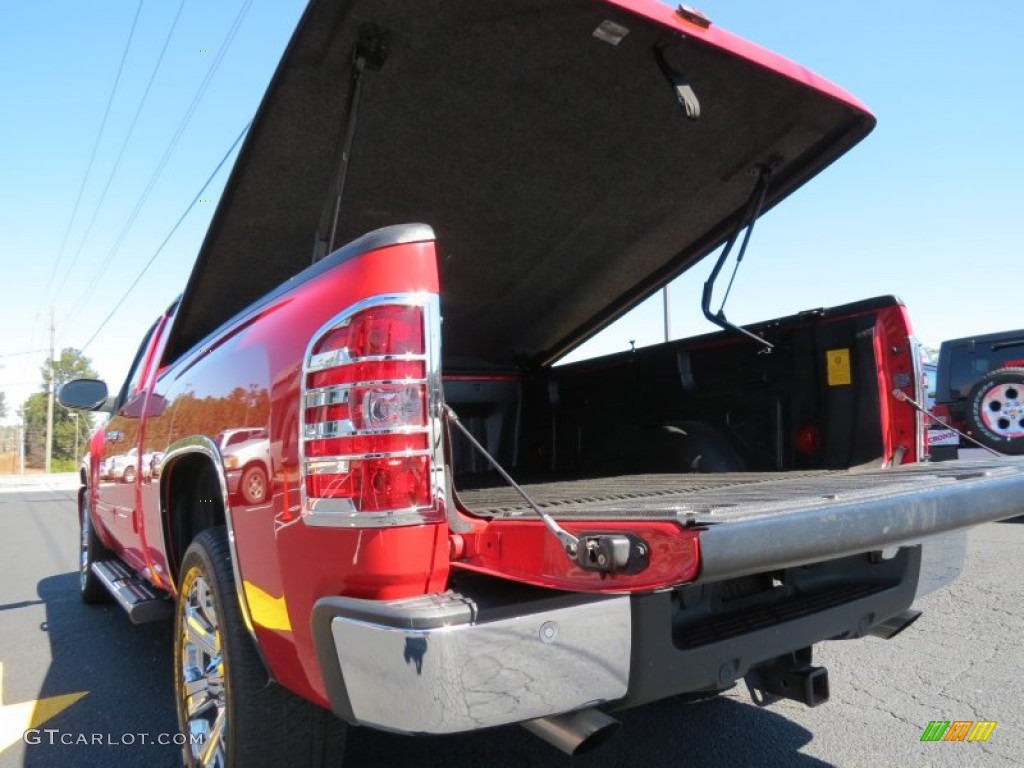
(447, 531)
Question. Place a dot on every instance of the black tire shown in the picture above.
(995, 411)
(90, 588)
(259, 722)
(253, 485)
(129, 475)
(692, 446)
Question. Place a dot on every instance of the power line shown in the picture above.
(120, 154)
(92, 155)
(19, 354)
(87, 294)
(169, 235)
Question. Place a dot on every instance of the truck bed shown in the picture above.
(759, 521)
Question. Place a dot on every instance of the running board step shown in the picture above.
(139, 599)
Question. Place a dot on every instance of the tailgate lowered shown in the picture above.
(757, 522)
(857, 512)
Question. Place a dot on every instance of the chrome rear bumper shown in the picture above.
(438, 664)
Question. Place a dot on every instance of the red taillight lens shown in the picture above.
(378, 331)
(367, 431)
(362, 445)
(387, 330)
(376, 371)
(333, 340)
(376, 485)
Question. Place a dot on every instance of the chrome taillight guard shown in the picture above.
(341, 512)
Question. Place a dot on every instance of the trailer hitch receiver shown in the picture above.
(788, 677)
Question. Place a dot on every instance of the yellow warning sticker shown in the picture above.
(838, 367)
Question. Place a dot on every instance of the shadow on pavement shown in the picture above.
(125, 669)
(716, 733)
(1018, 519)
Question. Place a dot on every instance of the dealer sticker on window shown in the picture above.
(838, 367)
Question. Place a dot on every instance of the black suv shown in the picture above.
(980, 379)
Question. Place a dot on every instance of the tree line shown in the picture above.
(71, 364)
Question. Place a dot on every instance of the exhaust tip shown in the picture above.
(892, 626)
(597, 738)
(575, 733)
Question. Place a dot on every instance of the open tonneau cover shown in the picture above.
(543, 140)
(762, 521)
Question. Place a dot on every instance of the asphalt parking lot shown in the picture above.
(963, 660)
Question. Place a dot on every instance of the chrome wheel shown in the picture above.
(229, 711)
(202, 692)
(1002, 410)
(995, 412)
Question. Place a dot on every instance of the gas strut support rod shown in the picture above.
(746, 220)
(603, 553)
(568, 542)
(370, 53)
(903, 397)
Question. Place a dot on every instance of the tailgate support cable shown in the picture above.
(603, 553)
(903, 397)
(569, 542)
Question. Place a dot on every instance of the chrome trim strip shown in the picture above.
(340, 513)
(339, 507)
(328, 466)
(337, 358)
(324, 430)
(338, 394)
(327, 512)
(359, 456)
(321, 396)
(206, 447)
(463, 677)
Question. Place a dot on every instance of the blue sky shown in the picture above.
(925, 208)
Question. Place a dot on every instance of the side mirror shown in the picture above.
(83, 394)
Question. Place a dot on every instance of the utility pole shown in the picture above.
(49, 402)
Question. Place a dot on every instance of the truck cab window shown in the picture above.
(134, 379)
